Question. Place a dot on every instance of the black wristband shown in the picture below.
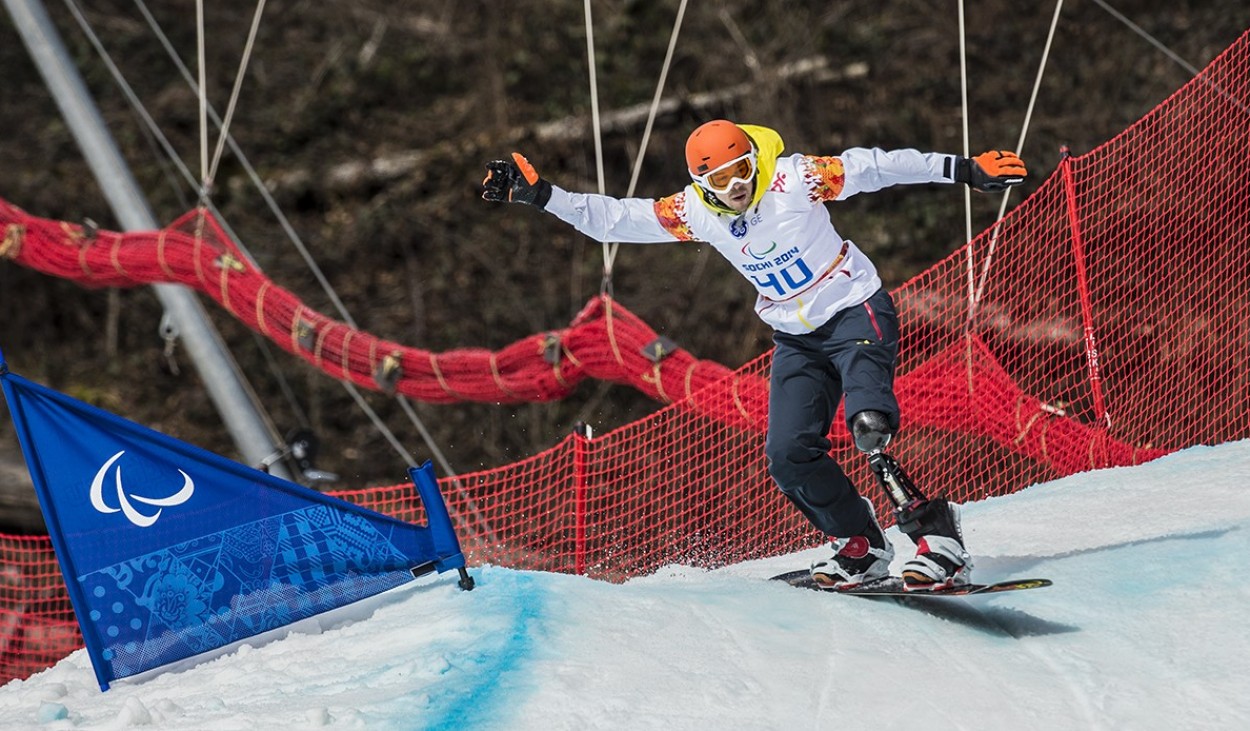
(542, 193)
(963, 170)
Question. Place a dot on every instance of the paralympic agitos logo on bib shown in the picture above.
(126, 501)
(759, 255)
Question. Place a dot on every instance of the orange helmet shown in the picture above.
(715, 144)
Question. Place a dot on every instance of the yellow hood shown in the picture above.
(768, 147)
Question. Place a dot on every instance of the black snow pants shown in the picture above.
(851, 355)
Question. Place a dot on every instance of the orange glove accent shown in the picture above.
(531, 175)
(1001, 164)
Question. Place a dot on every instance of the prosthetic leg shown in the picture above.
(872, 433)
(932, 524)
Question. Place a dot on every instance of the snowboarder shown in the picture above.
(835, 328)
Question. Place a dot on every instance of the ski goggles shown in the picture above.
(737, 170)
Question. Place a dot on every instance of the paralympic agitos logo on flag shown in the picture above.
(126, 501)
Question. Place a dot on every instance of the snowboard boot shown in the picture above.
(856, 559)
(941, 560)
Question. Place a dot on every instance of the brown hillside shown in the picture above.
(370, 122)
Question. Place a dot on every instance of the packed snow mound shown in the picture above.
(1142, 630)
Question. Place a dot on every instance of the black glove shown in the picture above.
(990, 171)
(515, 181)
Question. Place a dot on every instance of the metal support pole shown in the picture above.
(217, 369)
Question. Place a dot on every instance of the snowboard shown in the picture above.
(893, 586)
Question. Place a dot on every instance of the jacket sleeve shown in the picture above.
(604, 218)
(864, 170)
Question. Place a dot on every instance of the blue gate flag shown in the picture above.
(170, 551)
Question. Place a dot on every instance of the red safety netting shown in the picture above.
(195, 252)
(1104, 322)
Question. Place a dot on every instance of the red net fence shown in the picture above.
(1104, 322)
(195, 252)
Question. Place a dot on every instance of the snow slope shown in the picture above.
(1140, 631)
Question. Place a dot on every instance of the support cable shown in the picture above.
(297, 241)
(150, 125)
(133, 99)
(234, 95)
(1024, 131)
(609, 258)
(963, 96)
(203, 97)
(594, 97)
(980, 290)
(967, 152)
(963, 109)
(377, 421)
(1149, 38)
(253, 176)
(1168, 52)
(606, 284)
(284, 222)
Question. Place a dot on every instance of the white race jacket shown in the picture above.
(785, 244)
